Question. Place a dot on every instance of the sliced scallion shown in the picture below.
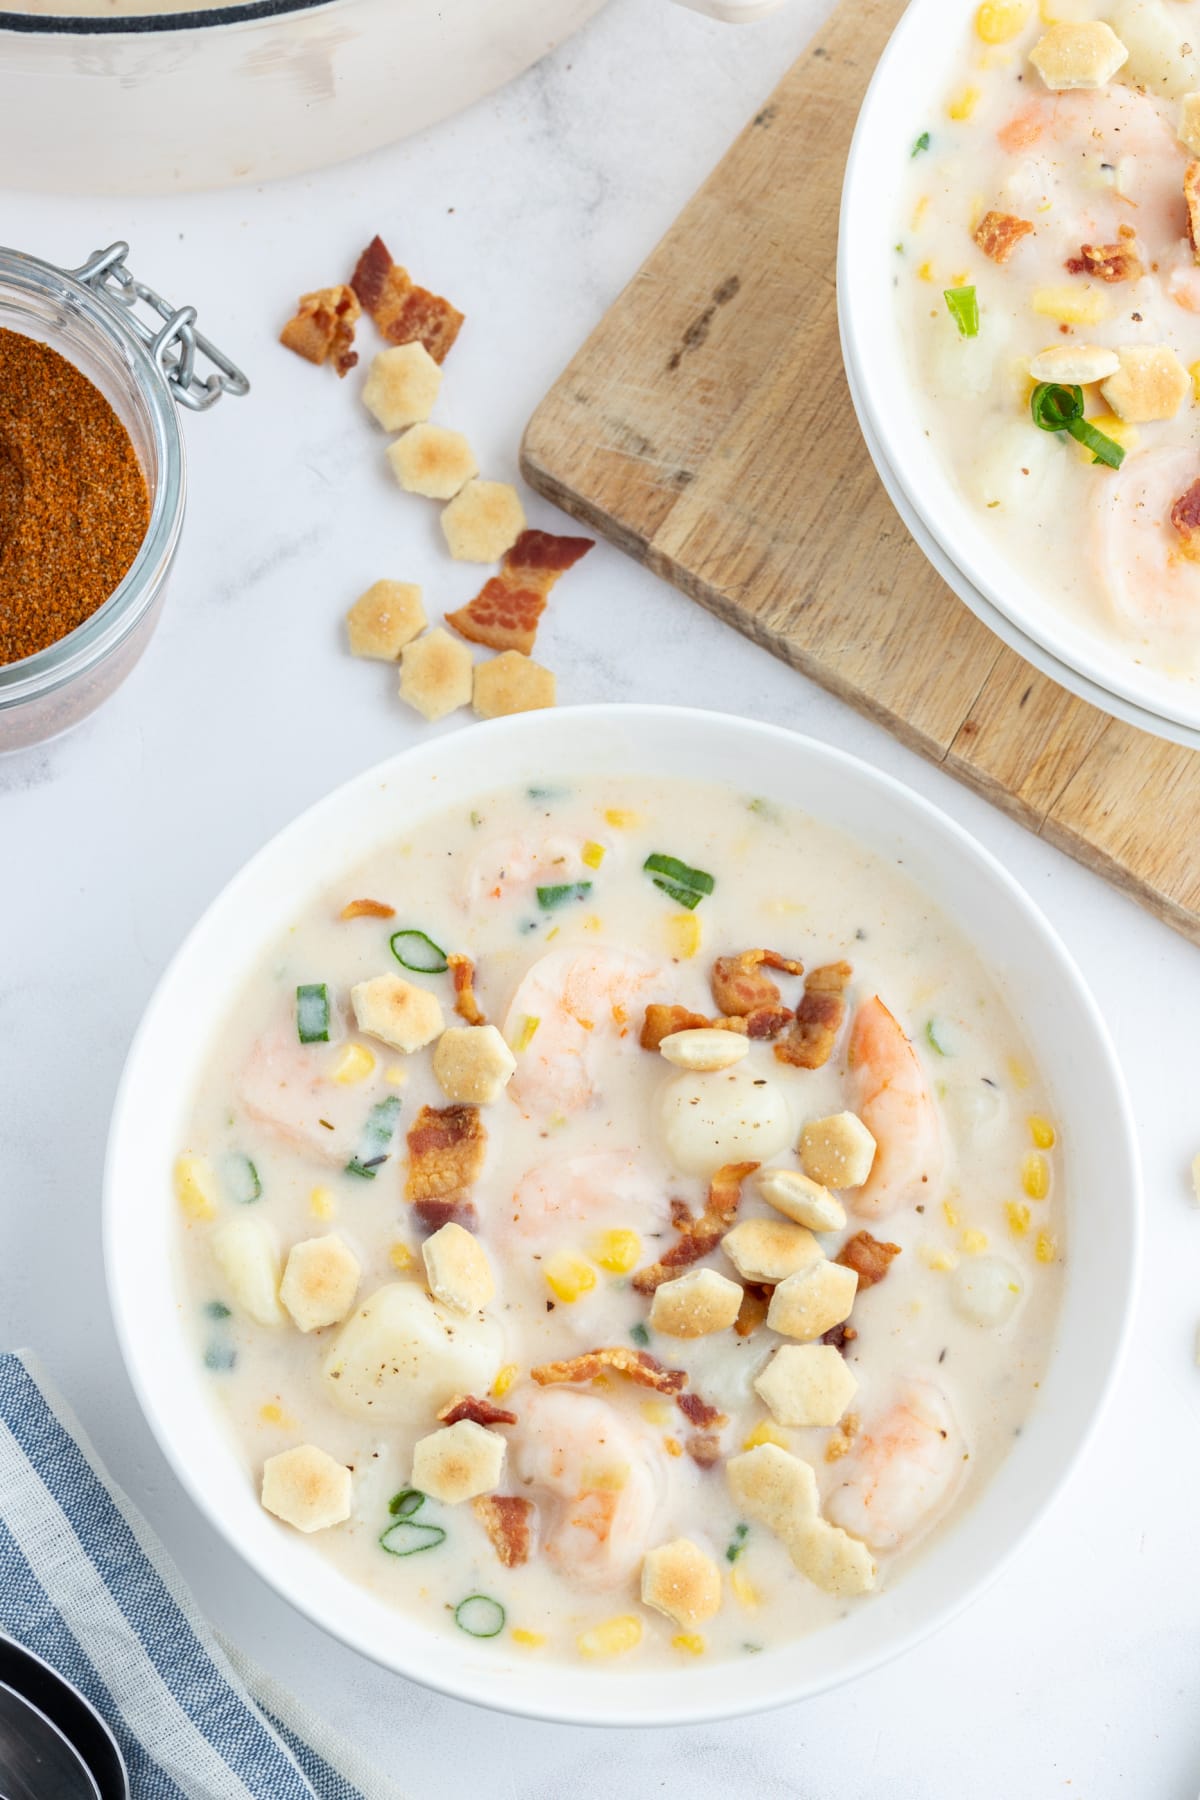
(414, 950)
(312, 1013)
(737, 1543)
(922, 143)
(216, 1309)
(681, 895)
(408, 1537)
(404, 1504)
(480, 1616)
(550, 897)
(1058, 408)
(376, 1140)
(682, 872)
(963, 306)
(639, 1334)
(935, 1037)
(220, 1357)
(242, 1179)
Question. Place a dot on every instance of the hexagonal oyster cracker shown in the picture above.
(806, 1384)
(837, 1151)
(769, 1250)
(397, 1012)
(695, 1304)
(457, 1269)
(1188, 129)
(813, 1301)
(483, 521)
(320, 1280)
(831, 1559)
(458, 1462)
(307, 1488)
(512, 683)
(1083, 53)
(402, 386)
(435, 674)
(433, 461)
(682, 1581)
(1150, 384)
(473, 1064)
(773, 1487)
(384, 619)
(801, 1199)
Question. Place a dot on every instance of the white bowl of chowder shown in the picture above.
(1019, 298)
(699, 1329)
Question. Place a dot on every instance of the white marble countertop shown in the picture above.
(1077, 1673)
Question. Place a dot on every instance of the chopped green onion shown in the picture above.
(682, 872)
(408, 1537)
(404, 1504)
(376, 1139)
(480, 1616)
(935, 1040)
(639, 1334)
(220, 1357)
(414, 950)
(547, 793)
(963, 305)
(241, 1178)
(550, 897)
(216, 1309)
(684, 896)
(922, 143)
(737, 1543)
(312, 1013)
(1058, 408)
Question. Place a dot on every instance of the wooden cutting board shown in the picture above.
(706, 429)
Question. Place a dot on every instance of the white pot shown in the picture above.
(159, 102)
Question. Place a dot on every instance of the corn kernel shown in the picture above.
(941, 1260)
(1017, 1214)
(400, 1256)
(196, 1187)
(658, 1412)
(767, 1433)
(593, 853)
(525, 1032)
(999, 21)
(951, 1213)
(1194, 372)
(919, 211)
(973, 1243)
(621, 819)
(504, 1380)
(395, 1075)
(593, 922)
(321, 1203)
(271, 1413)
(1045, 1249)
(616, 1251)
(1042, 1132)
(354, 1064)
(528, 1640)
(744, 1590)
(684, 935)
(690, 1641)
(1035, 1175)
(925, 272)
(568, 1276)
(672, 1446)
(963, 104)
(613, 1638)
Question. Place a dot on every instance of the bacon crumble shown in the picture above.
(698, 1412)
(433, 1214)
(367, 909)
(404, 313)
(756, 1300)
(479, 1412)
(1109, 262)
(508, 1521)
(819, 1017)
(998, 234)
(446, 1148)
(739, 986)
(637, 1366)
(323, 328)
(1185, 517)
(462, 971)
(1191, 195)
(660, 1021)
(704, 1448)
(505, 613)
(868, 1257)
(699, 1236)
(839, 1336)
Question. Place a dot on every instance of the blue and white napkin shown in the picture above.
(86, 1585)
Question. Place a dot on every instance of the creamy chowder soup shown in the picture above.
(1048, 270)
(621, 1219)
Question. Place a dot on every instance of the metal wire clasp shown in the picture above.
(175, 343)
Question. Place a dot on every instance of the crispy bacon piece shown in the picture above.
(740, 987)
(868, 1257)
(768, 1021)
(661, 1021)
(699, 1237)
(323, 328)
(704, 1448)
(505, 612)
(508, 1521)
(404, 313)
(446, 1147)
(809, 1043)
(698, 1412)
(1185, 517)
(367, 909)
(999, 233)
(462, 971)
(636, 1365)
(1191, 195)
(1109, 262)
(753, 1310)
(433, 1214)
(479, 1412)
(839, 1336)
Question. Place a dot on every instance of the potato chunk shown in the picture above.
(307, 1488)
(1078, 54)
(397, 1012)
(473, 1064)
(801, 1199)
(320, 1281)
(384, 619)
(837, 1151)
(813, 1301)
(247, 1253)
(769, 1250)
(432, 461)
(806, 1384)
(695, 1304)
(435, 674)
(483, 521)
(512, 683)
(680, 1580)
(458, 1462)
(458, 1270)
(402, 1355)
(402, 386)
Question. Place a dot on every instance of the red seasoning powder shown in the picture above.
(73, 502)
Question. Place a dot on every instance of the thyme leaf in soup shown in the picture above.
(639, 1334)
(922, 143)
(737, 1543)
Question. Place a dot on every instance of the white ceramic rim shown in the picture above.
(1100, 1272)
(914, 70)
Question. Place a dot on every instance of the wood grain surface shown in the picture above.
(705, 428)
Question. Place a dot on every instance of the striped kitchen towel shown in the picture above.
(86, 1585)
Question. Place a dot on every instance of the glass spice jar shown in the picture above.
(147, 364)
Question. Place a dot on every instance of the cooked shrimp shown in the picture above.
(289, 1087)
(1153, 586)
(571, 1008)
(893, 1100)
(515, 866)
(597, 1479)
(596, 1190)
(901, 1468)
